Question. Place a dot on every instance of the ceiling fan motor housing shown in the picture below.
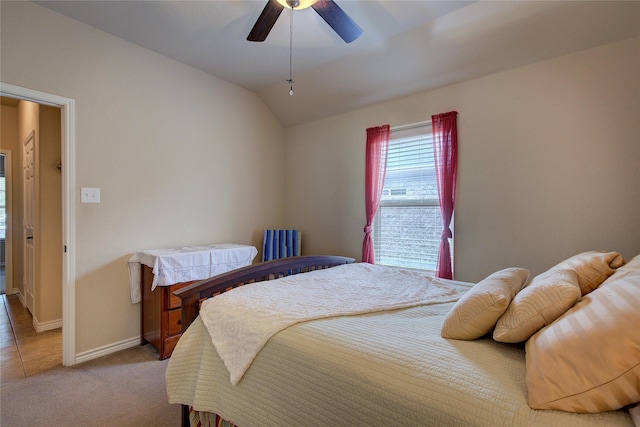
(333, 15)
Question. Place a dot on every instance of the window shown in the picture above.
(408, 224)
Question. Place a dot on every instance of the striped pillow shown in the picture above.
(588, 360)
(592, 267)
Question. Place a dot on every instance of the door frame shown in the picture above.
(67, 117)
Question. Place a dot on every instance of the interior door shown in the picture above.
(29, 186)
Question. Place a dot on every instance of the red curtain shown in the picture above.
(445, 148)
(375, 168)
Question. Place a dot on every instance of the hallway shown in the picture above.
(23, 351)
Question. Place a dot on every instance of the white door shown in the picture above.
(29, 185)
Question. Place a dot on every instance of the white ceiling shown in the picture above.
(407, 46)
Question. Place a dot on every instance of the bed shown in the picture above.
(381, 367)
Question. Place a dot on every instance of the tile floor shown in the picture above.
(23, 351)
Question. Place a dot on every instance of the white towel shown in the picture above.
(134, 280)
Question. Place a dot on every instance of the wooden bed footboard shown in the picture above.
(193, 294)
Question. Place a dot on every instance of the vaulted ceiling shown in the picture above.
(406, 47)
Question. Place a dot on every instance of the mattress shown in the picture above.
(389, 368)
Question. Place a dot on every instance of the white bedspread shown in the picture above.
(241, 321)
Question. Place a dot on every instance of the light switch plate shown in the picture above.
(90, 195)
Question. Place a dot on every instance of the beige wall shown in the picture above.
(181, 157)
(549, 164)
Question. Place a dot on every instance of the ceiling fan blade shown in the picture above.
(265, 21)
(337, 19)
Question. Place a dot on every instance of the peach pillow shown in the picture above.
(592, 267)
(547, 297)
(476, 312)
(588, 360)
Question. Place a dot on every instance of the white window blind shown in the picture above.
(408, 224)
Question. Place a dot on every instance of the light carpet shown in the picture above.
(126, 388)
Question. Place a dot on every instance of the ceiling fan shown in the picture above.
(337, 19)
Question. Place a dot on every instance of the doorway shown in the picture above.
(67, 126)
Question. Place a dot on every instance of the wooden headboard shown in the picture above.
(192, 295)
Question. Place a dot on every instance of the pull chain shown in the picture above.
(290, 80)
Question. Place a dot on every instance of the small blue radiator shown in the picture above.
(281, 244)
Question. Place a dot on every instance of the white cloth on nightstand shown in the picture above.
(177, 265)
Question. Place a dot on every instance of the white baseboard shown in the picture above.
(107, 349)
(37, 325)
(46, 326)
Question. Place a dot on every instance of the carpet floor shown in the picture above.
(126, 388)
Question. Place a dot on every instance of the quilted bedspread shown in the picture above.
(388, 368)
(241, 321)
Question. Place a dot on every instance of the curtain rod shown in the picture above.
(411, 126)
